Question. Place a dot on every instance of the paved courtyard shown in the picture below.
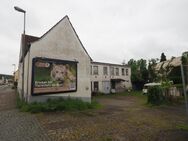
(14, 125)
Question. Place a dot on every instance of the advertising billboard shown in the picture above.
(53, 76)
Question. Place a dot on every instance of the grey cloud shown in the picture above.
(111, 31)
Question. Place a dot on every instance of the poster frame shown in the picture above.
(56, 61)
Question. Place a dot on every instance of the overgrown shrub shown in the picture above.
(155, 95)
(175, 75)
(56, 105)
(19, 103)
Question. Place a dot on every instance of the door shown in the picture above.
(106, 87)
(96, 86)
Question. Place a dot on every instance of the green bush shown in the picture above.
(155, 95)
(19, 103)
(56, 105)
(182, 127)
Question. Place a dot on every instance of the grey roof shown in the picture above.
(173, 62)
(25, 44)
(110, 64)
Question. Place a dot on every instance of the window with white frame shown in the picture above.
(127, 72)
(112, 70)
(123, 71)
(105, 71)
(117, 71)
(91, 70)
(95, 70)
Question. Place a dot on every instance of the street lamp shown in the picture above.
(23, 46)
(22, 11)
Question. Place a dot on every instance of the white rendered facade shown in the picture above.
(107, 78)
(60, 42)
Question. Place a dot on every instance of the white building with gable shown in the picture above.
(57, 65)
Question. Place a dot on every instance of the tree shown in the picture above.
(151, 70)
(139, 72)
(163, 57)
(134, 70)
(142, 64)
(175, 75)
(184, 58)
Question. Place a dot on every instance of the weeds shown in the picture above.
(56, 105)
(182, 127)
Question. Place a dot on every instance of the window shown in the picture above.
(91, 70)
(95, 70)
(123, 71)
(112, 70)
(105, 71)
(127, 72)
(117, 71)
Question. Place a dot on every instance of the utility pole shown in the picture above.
(184, 89)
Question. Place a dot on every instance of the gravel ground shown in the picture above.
(121, 119)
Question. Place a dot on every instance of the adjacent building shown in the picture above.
(109, 78)
(169, 69)
(5, 79)
(168, 65)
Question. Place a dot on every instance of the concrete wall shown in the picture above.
(61, 43)
(19, 87)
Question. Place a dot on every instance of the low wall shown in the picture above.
(173, 91)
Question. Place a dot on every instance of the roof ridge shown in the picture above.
(109, 63)
(54, 26)
(66, 16)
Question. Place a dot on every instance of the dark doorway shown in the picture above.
(113, 84)
(96, 86)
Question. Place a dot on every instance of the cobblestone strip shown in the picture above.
(16, 126)
(7, 98)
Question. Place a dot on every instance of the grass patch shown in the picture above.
(137, 94)
(19, 103)
(111, 95)
(182, 127)
(106, 139)
(56, 105)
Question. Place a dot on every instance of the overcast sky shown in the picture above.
(110, 30)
